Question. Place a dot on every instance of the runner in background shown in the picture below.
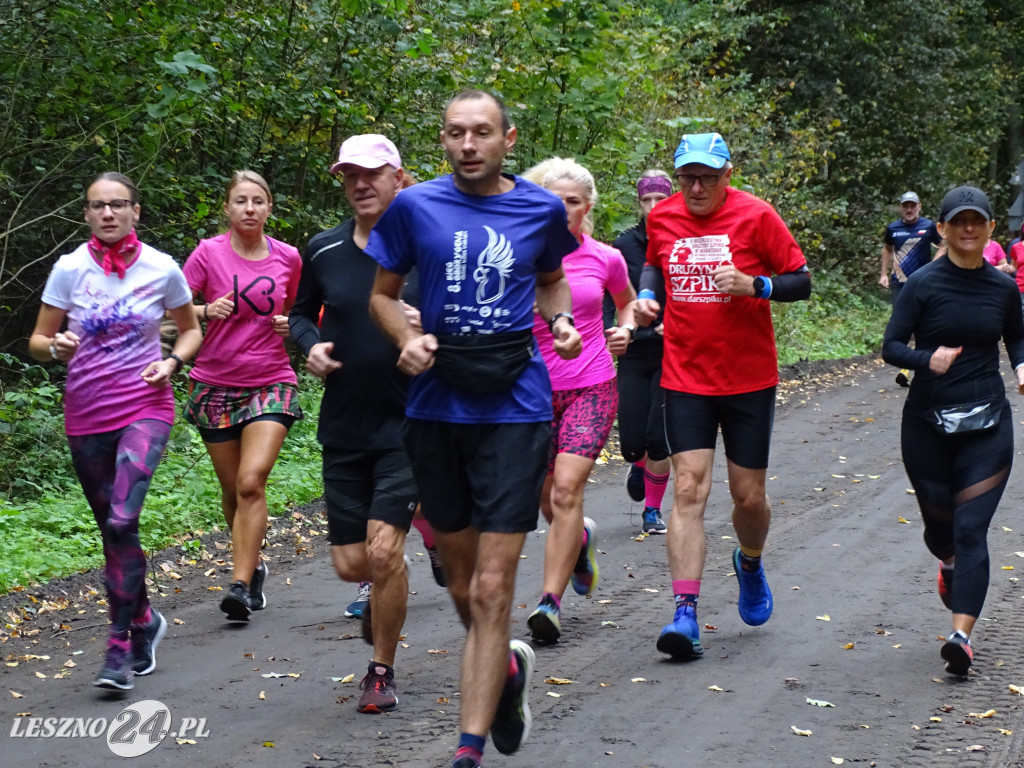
(585, 398)
(243, 396)
(112, 293)
(641, 398)
(957, 429)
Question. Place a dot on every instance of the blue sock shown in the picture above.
(471, 745)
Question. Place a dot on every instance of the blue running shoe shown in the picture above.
(545, 622)
(755, 601)
(653, 524)
(635, 483)
(585, 572)
(356, 607)
(681, 638)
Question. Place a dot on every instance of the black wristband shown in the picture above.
(206, 314)
(178, 362)
(567, 315)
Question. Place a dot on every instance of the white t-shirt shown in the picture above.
(118, 323)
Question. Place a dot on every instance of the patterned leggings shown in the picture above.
(114, 469)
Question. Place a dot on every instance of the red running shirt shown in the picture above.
(717, 344)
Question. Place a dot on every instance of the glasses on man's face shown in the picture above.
(707, 180)
(97, 206)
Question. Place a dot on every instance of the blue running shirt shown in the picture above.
(477, 259)
(911, 245)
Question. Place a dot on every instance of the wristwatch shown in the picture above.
(632, 331)
(178, 362)
(567, 315)
(758, 287)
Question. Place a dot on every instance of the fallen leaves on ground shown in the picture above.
(819, 703)
(800, 731)
(559, 681)
(989, 713)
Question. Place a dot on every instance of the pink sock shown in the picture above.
(642, 463)
(513, 665)
(686, 586)
(421, 525)
(655, 486)
(145, 619)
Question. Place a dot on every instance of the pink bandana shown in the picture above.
(116, 256)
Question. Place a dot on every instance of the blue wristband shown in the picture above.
(646, 293)
(766, 292)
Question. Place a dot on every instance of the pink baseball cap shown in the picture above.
(368, 150)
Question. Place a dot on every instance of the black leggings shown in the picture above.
(959, 480)
(641, 407)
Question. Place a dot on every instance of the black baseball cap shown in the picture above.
(965, 199)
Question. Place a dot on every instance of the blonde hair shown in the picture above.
(547, 172)
(238, 177)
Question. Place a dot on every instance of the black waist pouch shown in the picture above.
(483, 363)
(976, 416)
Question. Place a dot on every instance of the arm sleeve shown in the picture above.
(1013, 329)
(651, 279)
(309, 299)
(896, 348)
(791, 286)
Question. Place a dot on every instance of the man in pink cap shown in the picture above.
(368, 483)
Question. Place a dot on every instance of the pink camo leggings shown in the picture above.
(115, 469)
(583, 420)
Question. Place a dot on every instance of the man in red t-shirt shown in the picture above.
(715, 256)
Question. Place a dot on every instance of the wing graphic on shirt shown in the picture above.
(493, 265)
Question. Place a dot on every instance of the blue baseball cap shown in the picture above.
(705, 148)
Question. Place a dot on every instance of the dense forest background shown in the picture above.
(832, 108)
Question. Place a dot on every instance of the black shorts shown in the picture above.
(234, 432)
(692, 422)
(485, 476)
(366, 485)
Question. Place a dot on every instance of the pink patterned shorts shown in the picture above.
(583, 419)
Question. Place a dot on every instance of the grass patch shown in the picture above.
(47, 529)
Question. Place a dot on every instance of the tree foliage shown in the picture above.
(832, 108)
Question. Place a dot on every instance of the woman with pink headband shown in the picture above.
(641, 431)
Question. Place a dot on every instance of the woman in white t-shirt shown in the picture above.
(112, 293)
(243, 396)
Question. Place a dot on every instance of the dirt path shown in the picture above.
(856, 625)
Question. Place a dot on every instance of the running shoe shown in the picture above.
(681, 638)
(957, 653)
(355, 608)
(546, 622)
(635, 483)
(437, 567)
(945, 581)
(465, 762)
(511, 723)
(585, 572)
(379, 691)
(258, 600)
(144, 642)
(117, 672)
(236, 602)
(755, 601)
(653, 524)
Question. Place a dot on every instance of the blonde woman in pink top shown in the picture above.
(585, 397)
(243, 396)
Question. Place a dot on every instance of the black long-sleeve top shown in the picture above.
(942, 304)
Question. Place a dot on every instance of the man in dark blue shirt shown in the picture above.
(908, 244)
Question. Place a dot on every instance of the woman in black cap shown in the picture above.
(957, 432)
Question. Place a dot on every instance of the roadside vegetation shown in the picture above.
(831, 110)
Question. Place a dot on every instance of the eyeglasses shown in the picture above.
(97, 206)
(707, 180)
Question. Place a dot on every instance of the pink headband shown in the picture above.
(650, 184)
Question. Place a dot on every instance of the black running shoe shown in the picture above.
(236, 602)
(437, 567)
(117, 672)
(258, 600)
(144, 643)
(957, 653)
(635, 483)
(512, 720)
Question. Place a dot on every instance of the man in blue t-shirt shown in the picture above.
(908, 244)
(486, 246)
